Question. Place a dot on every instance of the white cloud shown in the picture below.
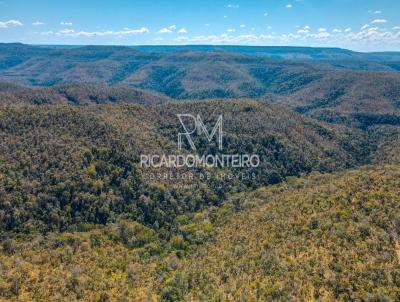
(37, 23)
(370, 35)
(233, 5)
(229, 39)
(304, 30)
(66, 23)
(377, 12)
(164, 31)
(207, 25)
(66, 31)
(379, 21)
(367, 38)
(289, 6)
(319, 35)
(289, 36)
(47, 33)
(10, 23)
(72, 33)
(167, 30)
(265, 14)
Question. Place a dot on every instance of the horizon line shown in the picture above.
(203, 45)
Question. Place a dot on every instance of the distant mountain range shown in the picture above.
(274, 52)
(82, 219)
(331, 84)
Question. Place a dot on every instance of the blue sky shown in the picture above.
(365, 25)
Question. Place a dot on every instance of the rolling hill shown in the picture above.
(325, 238)
(274, 52)
(318, 238)
(62, 166)
(82, 220)
(76, 94)
(358, 98)
(355, 93)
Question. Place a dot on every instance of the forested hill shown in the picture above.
(82, 220)
(275, 52)
(283, 52)
(317, 238)
(63, 166)
(324, 238)
(334, 90)
(77, 94)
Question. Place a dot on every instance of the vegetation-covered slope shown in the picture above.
(358, 98)
(282, 52)
(317, 239)
(76, 94)
(327, 90)
(80, 219)
(320, 238)
(62, 166)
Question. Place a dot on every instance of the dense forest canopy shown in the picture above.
(333, 85)
(323, 237)
(63, 165)
(82, 220)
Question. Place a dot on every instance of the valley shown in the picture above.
(81, 219)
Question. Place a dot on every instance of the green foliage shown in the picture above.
(66, 166)
(175, 289)
(134, 234)
(330, 84)
(79, 221)
(322, 237)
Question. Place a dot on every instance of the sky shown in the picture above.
(362, 25)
